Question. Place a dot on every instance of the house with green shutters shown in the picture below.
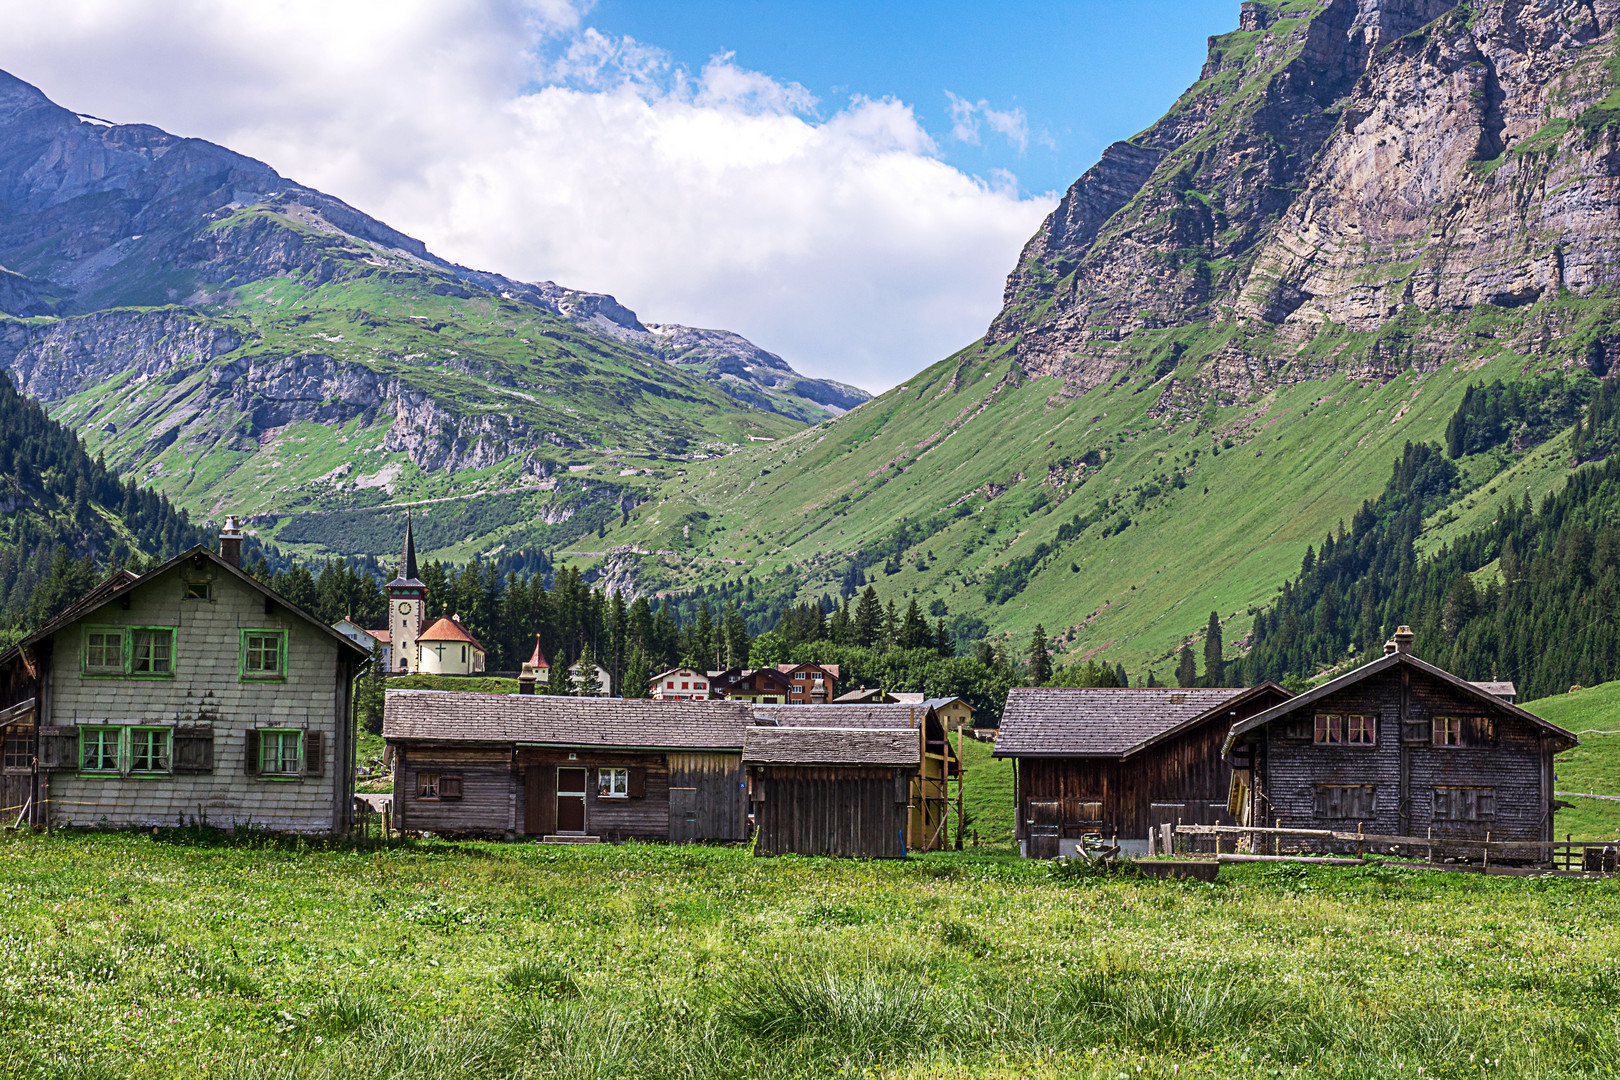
(191, 693)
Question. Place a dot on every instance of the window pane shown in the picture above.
(154, 651)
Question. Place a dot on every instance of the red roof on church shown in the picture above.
(449, 630)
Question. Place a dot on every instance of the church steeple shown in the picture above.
(407, 603)
(407, 565)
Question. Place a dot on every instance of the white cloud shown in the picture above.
(1010, 124)
(512, 136)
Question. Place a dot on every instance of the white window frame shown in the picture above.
(612, 782)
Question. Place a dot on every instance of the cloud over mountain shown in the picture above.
(515, 136)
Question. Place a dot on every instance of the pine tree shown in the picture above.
(585, 681)
(914, 628)
(942, 641)
(1214, 666)
(1186, 668)
(368, 693)
(558, 680)
(1040, 661)
(889, 634)
(637, 675)
(868, 618)
(1119, 674)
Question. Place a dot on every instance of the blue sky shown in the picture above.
(845, 184)
(1084, 73)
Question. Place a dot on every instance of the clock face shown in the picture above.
(405, 608)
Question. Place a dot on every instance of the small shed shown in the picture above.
(1120, 761)
(830, 791)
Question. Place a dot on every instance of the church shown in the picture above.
(412, 646)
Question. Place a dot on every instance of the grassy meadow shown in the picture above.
(1593, 713)
(134, 955)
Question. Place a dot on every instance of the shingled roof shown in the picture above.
(843, 716)
(829, 746)
(1098, 722)
(544, 720)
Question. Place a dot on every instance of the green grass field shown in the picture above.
(133, 955)
(1592, 767)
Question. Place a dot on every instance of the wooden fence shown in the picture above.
(1568, 854)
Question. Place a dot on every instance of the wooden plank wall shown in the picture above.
(1291, 768)
(718, 800)
(485, 807)
(853, 812)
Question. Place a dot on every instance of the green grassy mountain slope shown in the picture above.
(1594, 766)
(1139, 441)
(243, 342)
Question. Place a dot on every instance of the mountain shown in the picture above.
(243, 342)
(1368, 223)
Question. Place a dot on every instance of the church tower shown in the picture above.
(407, 597)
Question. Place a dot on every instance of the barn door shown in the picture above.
(682, 815)
(570, 800)
(1045, 823)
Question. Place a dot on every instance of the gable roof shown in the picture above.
(829, 746)
(869, 695)
(839, 715)
(546, 720)
(1102, 721)
(1386, 663)
(788, 669)
(122, 581)
(937, 703)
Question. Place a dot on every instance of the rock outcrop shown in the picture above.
(1348, 165)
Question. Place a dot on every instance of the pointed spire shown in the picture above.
(407, 565)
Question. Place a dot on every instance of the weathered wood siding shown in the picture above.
(1404, 771)
(855, 812)
(206, 689)
(708, 797)
(1185, 771)
(488, 804)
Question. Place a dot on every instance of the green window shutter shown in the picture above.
(638, 782)
(251, 758)
(314, 753)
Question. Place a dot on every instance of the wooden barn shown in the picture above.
(191, 693)
(1120, 761)
(1398, 747)
(570, 769)
(936, 761)
(830, 790)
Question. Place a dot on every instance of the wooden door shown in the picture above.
(1045, 823)
(682, 815)
(539, 801)
(570, 800)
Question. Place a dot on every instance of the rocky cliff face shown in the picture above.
(1341, 164)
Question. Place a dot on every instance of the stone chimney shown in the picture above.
(1403, 640)
(1389, 648)
(526, 682)
(230, 541)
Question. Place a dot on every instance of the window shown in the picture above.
(264, 654)
(19, 751)
(1361, 730)
(1346, 802)
(199, 590)
(685, 687)
(148, 750)
(103, 651)
(1447, 731)
(612, 783)
(1464, 803)
(98, 749)
(464, 654)
(427, 785)
(281, 753)
(669, 685)
(700, 686)
(153, 651)
(1329, 729)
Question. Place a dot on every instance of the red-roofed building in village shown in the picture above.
(446, 648)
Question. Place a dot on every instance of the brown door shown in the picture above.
(682, 815)
(1045, 823)
(570, 800)
(539, 801)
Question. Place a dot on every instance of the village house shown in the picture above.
(762, 686)
(366, 639)
(190, 693)
(810, 684)
(536, 673)
(680, 684)
(1398, 747)
(1118, 762)
(935, 761)
(566, 768)
(830, 791)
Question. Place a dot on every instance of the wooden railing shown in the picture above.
(1566, 854)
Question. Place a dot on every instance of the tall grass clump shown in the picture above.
(861, 1016)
